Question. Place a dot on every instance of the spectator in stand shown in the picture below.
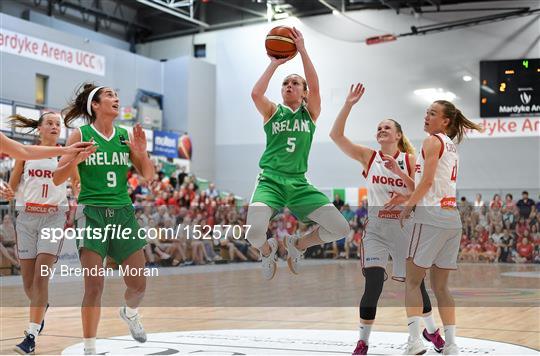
(338, 203)
(525, 205)
(162, 199)
(161, 215)
(133, 181)
(483, 217)
(281, 234)
(521, 227)
(509, 218)
(464, 206)
(509, 202)
(181, 177)
(211, 191)
(505, 246)
(535, 235)
(496, 202)
(289, 221)
(536, 254)
(497, 234)
(472, 251)
(478, 202)
(347, 213)
(361, 213)
(490, 253)
(525, 251)
(495, 218)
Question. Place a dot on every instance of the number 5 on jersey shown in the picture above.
(291, 144)
(111, 179)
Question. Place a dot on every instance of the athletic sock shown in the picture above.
(450, 334)
(130, 313)
(89, 343)
(429, 322)
(33, 329)
(365, 331)
(414, 327)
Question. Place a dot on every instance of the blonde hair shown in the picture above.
(404, 144)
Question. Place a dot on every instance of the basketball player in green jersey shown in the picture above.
(289, 129)
(105, 203)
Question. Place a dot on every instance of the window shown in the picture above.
(41, 89)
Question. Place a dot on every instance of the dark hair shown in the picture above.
(510, 195)
(524, 192)
(458, 122)
(24, 122)
(404, 144)
(77, 106)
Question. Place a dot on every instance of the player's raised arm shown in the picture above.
(337, 134)
(263, 104)
(314, 97)
(28, 152)
(139, 155)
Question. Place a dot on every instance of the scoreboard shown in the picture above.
(510, 88)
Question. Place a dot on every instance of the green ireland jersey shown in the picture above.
(104, 173)
(288, 140)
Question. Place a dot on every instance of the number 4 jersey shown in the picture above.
(438, 207)
(37, 192)
(104, 173)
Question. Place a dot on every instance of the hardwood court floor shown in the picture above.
(496, 302)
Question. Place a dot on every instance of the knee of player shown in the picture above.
(94, 290)
(413, 282)
(138, 288)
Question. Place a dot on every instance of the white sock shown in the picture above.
(365, 330)
(130, 313)
(414, 327)
(33, 329)
(89, 343)
(450, 334)
(429, 322)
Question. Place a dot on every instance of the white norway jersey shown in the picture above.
(438, 207)
(382, 184)
(37, 192)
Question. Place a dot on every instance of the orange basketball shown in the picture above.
(279, 42)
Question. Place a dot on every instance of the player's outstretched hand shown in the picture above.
(355, 93)
(298, 40)
(77, 147)
(137, 141)
(396, 200)
(390, 163)
(280, 61)
(6, 192)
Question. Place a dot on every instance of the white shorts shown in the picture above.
(29, 234)
(385, 237)
(434, 246)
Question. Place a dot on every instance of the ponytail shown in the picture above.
(77, 108)
(404, 144)
(26, 123)
(458, 122)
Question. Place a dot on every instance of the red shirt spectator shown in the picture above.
(525, 249)
(496, 202)
(290, 222)
(490, 246)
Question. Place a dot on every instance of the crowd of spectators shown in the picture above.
(176, 214)
(500, 230)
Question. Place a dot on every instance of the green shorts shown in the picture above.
(119, 241)
(294, 192)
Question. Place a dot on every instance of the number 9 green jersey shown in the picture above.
(104, 173)
(288, 140)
